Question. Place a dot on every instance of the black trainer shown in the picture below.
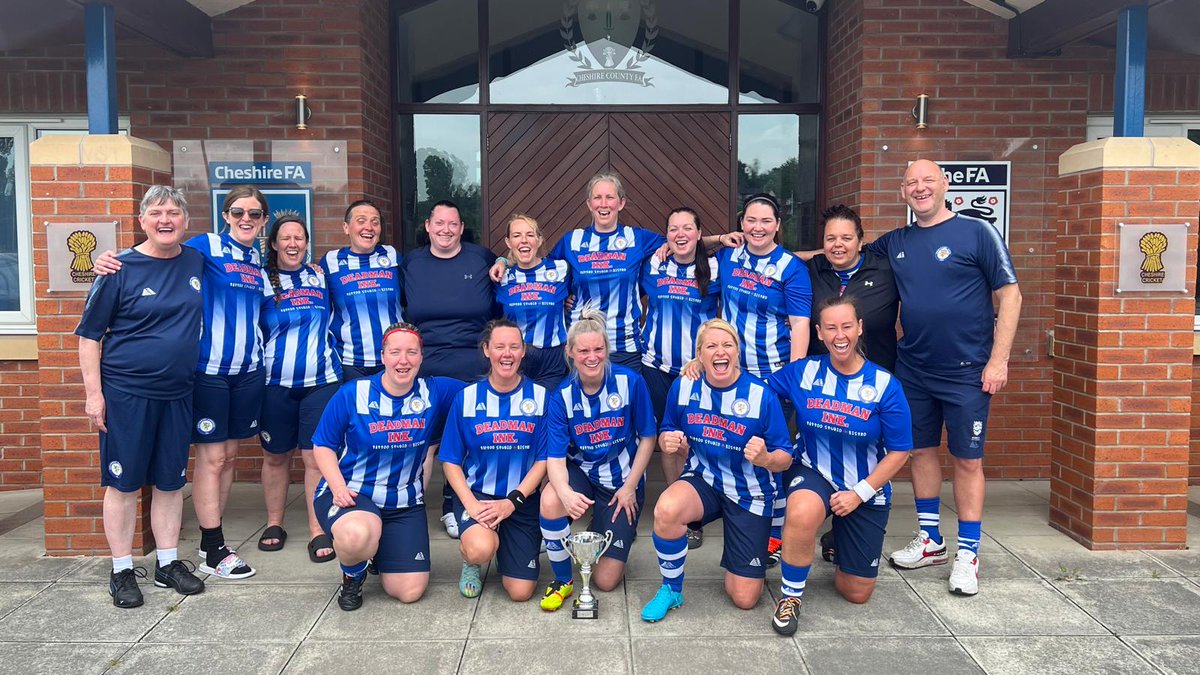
(828, 549)
(350, 598)
(179, 575)
(785, 621)
(123, 587)
(372, 568)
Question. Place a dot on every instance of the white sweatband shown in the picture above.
(864, 490)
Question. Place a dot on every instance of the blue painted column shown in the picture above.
(101, 35)
(1129, 106)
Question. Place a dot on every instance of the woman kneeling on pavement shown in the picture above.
(854, 433)
(370, 446)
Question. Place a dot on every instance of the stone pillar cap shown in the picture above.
(1130, 153)
(98, 150)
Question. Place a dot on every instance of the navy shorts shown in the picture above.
(859, 536)
(546, 366)
(226, 407)
(403, 541)
(659, 384)
(350, 373)
(623, 532)
(631, 360)
(146, 442)
(959, 402)
(520, 536)
(746, 534)
(289, 416)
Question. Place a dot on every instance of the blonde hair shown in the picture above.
(591, 321)
(537, 231)
(718, 324)
(606, 177)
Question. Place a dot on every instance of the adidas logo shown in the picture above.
(532, 565)
(578, 407)
(667, 564)
(254, 424)
(147, 292)
(899, 255)
(481, 406)
(420, 556)
(695, 397)
(372, 406)
(619, 543)
(755, 563)
(818, 382)
(875, 562)
(226, 250)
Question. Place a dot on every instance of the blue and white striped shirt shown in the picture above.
(847, 422)
(534, 299)
(381, 441)
(495, 437)
(674, 311)
(604, 270)
(234, 283)
(758, 294)
(365, 289)
(718, 422)
(600, 432)
(299, 350)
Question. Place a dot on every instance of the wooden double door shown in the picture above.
(539, 164)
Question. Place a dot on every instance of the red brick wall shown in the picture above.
(983, 106)
(20, 446)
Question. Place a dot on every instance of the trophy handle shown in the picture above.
(566, 546)
(608, 538)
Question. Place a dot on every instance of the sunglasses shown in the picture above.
(239, 212)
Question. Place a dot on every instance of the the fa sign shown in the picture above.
(979, 190)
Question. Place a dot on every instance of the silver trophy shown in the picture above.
(586, 548)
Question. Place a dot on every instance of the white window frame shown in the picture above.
(25, 129)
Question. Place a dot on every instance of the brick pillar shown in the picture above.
(79, 179)
(1123, 362)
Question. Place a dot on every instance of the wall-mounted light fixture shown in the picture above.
(920, 112)
(302, 111)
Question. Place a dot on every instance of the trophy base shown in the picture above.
(591, 612)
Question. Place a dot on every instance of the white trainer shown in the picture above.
(964, 577)
(451, 525)
(920, 552)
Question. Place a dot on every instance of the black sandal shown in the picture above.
(273, 532)
(319, 542)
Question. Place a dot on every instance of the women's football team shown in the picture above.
(544, 382)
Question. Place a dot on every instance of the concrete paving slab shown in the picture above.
(1040, 488)
(14, 594)
(602, 656)
(1055, 558)
(1074, 654)
(356, 658)
(1139, 607)
(1174, 654)
(500, 617)
(228, 613)
(60, 657)
(442, 614)
(706, 612)
(688, 656)
(1000, 521)
(204, 659)
(76, 613)
(24, 560)
(894, 609)
(878, 656)
(97, 570)
(12, 501)
(1006, 607)
(1186, 562)
(1012, 493)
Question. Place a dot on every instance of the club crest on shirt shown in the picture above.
(867, 393)
(417, 405)
(551, 275)
(942, 253)
(528, 406)
(195, 284)
(312, 281)
(115, 469)
(796, 481)
(383, 261)
(976, 428)
(741, 407)
(206, 426)
(769, 270)
(619, 243)
(614, 401)
(266, 437)
(331, 512)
